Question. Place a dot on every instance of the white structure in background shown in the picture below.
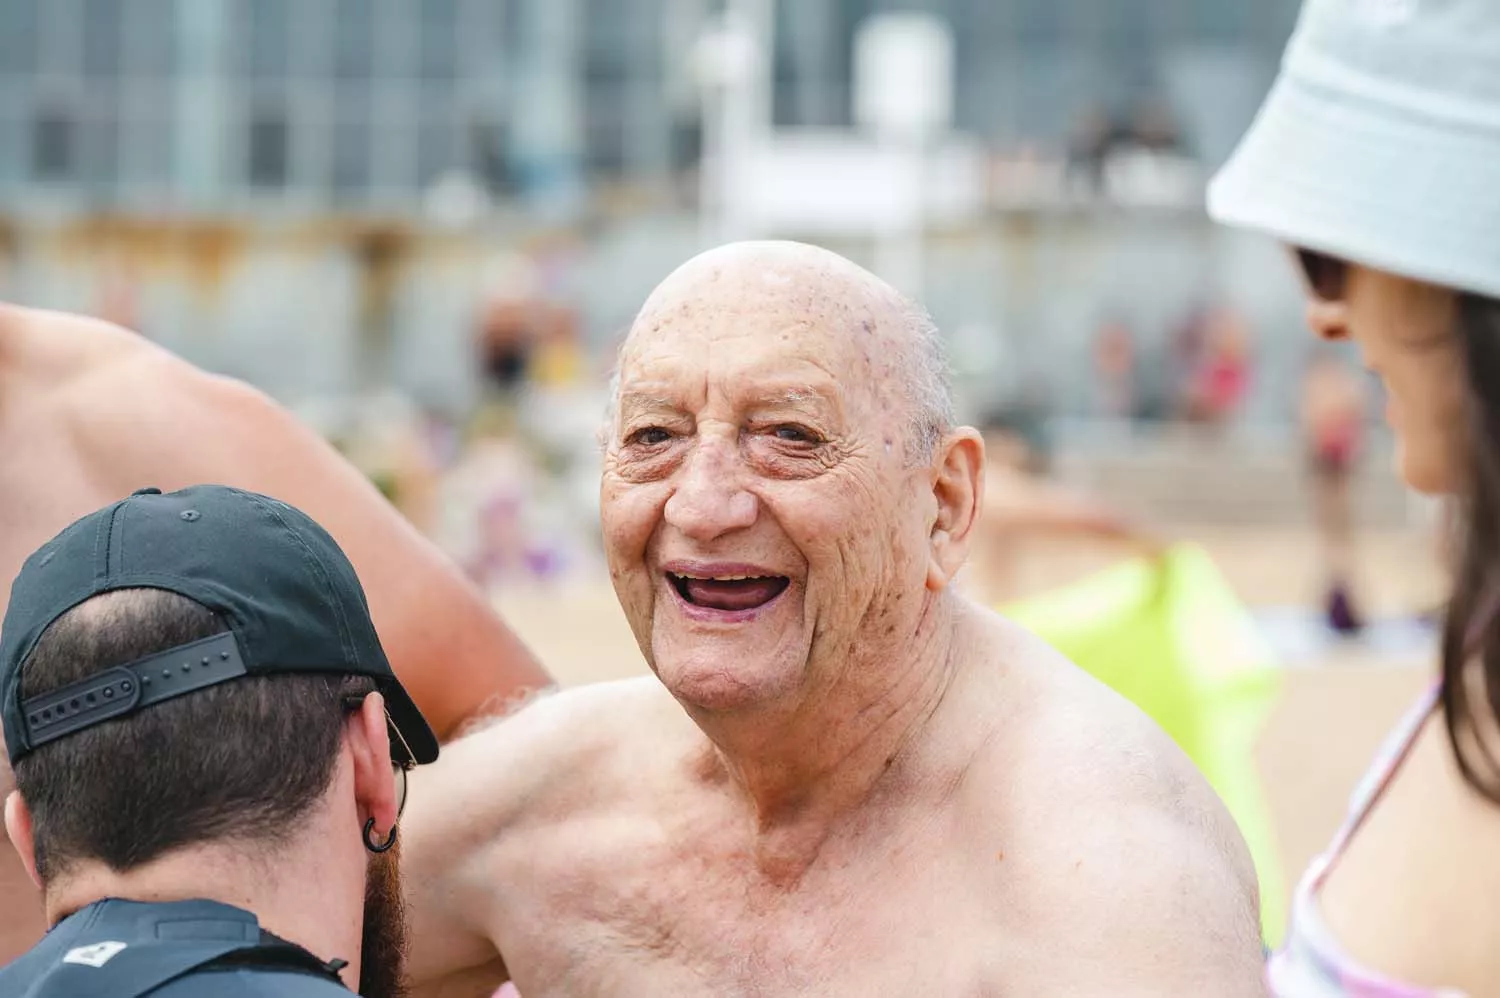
(901, 169)
(731, 64)
(903, 87)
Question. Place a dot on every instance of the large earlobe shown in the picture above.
(18, 826)
(958, 488)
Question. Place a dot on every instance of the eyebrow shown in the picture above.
(632, 403)
(792, 396)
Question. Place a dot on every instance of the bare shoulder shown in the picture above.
(59, 350)
(558, 755)
(500, 799)
(130, 382)
(1110, 828)
(111, 386)
(1074, 740)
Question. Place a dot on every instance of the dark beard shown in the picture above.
(382, 955)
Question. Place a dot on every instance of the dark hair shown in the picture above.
(1471, 636)
(240, 761)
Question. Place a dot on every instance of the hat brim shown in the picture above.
(412, 728)
(1374, 184)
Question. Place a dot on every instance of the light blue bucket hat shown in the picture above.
(1380, 141)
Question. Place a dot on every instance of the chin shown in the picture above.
(724, 682)
(1429, 477)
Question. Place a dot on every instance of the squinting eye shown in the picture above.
(650, 436)
(795, 434)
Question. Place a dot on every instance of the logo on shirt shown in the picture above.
(94, 956)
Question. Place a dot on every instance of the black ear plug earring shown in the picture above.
(378, 847)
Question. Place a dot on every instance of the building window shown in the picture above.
(269, 39)
(439, 49)
(351, 151)
(435, 152)
(18, 37)
(99, 159)
(54, 145)
(101, 23)
(354, 39)
(269, 144)
(150, 39)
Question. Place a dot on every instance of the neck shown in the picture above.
(806, 766)
(305, 891)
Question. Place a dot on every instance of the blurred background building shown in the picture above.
(166, 159)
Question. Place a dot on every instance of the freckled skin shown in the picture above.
(810, 801)
(708, 370)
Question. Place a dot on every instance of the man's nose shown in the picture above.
(710, 498)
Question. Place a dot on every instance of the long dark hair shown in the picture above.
(1471, 636)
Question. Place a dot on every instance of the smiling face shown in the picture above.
(765, 520)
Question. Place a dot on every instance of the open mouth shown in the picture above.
(730, 593)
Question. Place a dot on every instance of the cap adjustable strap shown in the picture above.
(127, 688)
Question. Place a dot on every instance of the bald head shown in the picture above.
(798, 291)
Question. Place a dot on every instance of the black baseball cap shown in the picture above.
(288, 595)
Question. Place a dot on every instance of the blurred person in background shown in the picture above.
(1021, 505)
(512, 320)
(1115, 369)
(211, 753)
(1333, 426)
(842, 776)
(1376, 157)
(1220, 379)
(501, 516)
(90, 412)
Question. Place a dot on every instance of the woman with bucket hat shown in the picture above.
(1376, 159)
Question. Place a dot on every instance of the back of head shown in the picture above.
(241, 761)
(176, 670)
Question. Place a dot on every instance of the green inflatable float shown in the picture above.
(1170, 635)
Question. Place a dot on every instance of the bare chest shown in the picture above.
(657, 918)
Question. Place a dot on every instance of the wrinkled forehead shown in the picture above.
(767, 323)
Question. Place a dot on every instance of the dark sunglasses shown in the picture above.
(353, 703)
(1325, 275)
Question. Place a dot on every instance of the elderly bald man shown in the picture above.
(844, 778)
(90, 412)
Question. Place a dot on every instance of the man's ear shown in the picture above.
(958, 487)
(18, 827)
(374, 779)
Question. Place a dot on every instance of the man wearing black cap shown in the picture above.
(210, 752)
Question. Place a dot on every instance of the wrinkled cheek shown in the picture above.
(628, 517)
(859, 571)
(883, 574)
